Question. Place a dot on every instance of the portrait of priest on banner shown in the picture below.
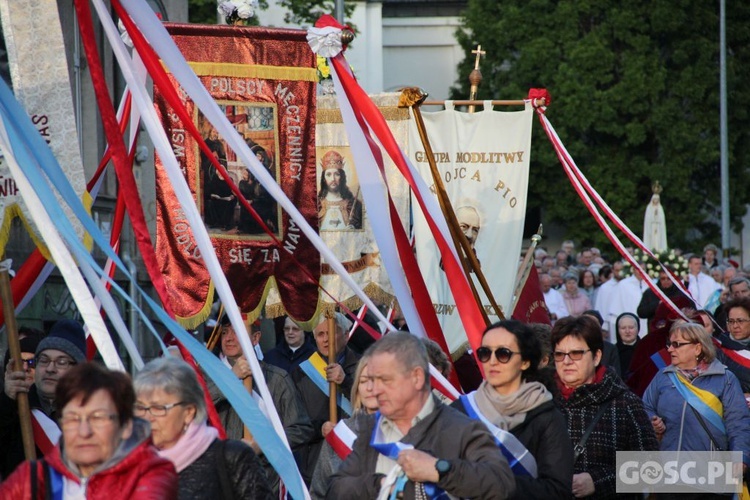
(339, 197)
(223, 212)
(469, 221)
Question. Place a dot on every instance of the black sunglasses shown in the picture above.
(502, 354)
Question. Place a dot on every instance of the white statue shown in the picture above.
(654, 223)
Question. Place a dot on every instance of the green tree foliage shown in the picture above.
(305, 12)
(204, 12)
(635, 91)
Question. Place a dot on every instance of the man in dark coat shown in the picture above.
(440, 449)
(312, 378)
(285, 397)
(293, 350)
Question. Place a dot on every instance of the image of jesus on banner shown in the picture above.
(338, 208)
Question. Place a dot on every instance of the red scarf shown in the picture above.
(566, 391)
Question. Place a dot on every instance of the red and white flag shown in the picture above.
(341, 439)
(46, 432)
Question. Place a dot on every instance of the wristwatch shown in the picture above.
(443, 467)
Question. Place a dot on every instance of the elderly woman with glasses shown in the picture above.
(519, 411)
(695, 403)
(603, 415)
(170, 397)
(104, 452)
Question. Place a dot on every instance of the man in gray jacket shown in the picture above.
(415, 446)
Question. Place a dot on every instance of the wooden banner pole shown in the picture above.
(332, 403)
(14, 345)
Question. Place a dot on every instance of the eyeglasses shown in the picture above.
(155, 410)
(30, 363)
(737, 321)
(95, 420)
(576, 355)
(502, 354)
(59, 362)
(677, 345)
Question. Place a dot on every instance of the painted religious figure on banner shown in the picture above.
(339, 209)
(223, 213)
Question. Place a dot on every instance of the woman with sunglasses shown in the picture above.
(519, 411)
(695, 403)
(603, 415)
(171, 399)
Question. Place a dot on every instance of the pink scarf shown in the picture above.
(193, 443)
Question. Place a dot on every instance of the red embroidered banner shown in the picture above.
(265, 81)
(530, 307)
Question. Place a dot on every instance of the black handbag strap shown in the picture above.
(581, 446)
(705, 428)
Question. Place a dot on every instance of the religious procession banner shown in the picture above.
(41, 83)
(342, 217)
(483, 159)
(265, 81)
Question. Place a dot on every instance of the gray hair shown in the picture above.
(737, 281)
(172, 376)
(408, 350)
(342, 322)
(693, 332)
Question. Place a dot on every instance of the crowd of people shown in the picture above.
(554, 406)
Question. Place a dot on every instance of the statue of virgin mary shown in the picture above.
(654, 222)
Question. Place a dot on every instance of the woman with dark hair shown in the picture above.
(695, 403)
(520, 413)
(104, 452)
(603, 415)
(171, 399)
(588, 284)
(626, 329)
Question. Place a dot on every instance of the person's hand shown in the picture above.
(334, 373)
(241, 368)
(16, 382)
(658, 424)
(418, 466)
(327, 427)
(583, 485)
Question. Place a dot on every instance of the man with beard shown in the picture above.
(338, 208)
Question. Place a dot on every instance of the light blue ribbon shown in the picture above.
(322, 384)
(521, 461)
(34, 156)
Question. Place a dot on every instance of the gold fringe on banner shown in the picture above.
(254, 71)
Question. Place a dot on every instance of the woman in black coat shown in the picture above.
(520, 413)
(171, 399)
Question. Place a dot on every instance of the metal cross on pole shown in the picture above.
(475, 77)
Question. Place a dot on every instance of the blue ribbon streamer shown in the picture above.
(522, 462)
(322, 384)
(35, 156)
